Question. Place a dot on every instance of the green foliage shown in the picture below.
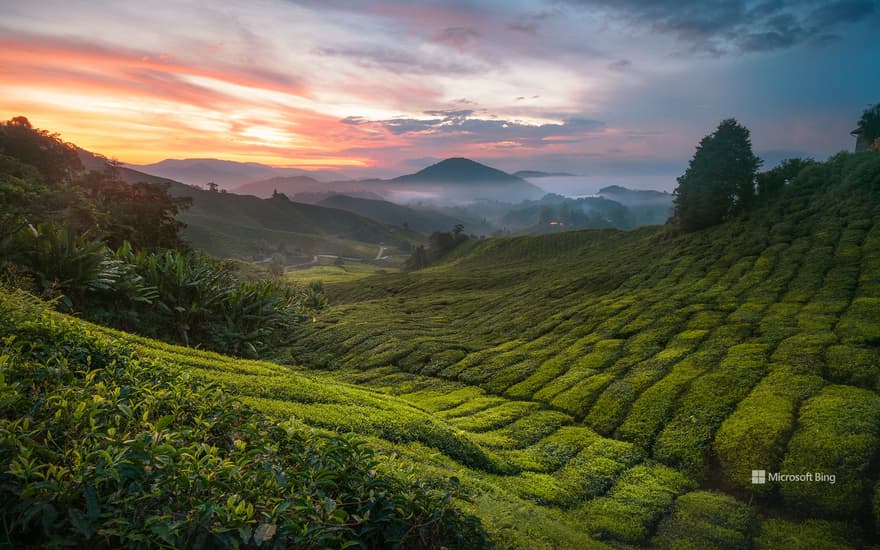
(771, 182)
(685, 441)
(141, 213)
(635, 503)
(719, 180)
(43, 180)
(808, 535)
(756, 434)
(104, 447)
(176, 296)
(440, 245)
(869, 123)
(703, 519)
(23, 196)
(838, 433)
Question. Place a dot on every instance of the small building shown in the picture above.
(861, 140)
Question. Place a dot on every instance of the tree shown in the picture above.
(57, 161)
(772, 181)
(869, 124)
(419, 258)
(720, 179)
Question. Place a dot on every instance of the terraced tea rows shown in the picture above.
(533, 476)
(683, 362)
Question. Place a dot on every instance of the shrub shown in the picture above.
(103, 447)
(684, 442)
(861, 322)
(837, 434)
(754, 436)
(852, 365)
(807, 535)
(654, 406)
(703, 519)
(634, 504)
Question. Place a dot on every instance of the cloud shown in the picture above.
(620, 65)
(460, 126)
(719, 27)
(528, 23)
(457, 37)
(399, 61)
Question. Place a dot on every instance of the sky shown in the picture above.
(616, 88)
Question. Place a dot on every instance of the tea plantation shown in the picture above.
(633, 381)
(577, 390)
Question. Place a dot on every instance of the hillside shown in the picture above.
(226, 224)
(424, 221)
(289, 185)
(115, 441)
(225, 173)
(246, 227)
(631, 382)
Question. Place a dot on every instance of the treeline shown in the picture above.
(440, 244)
(112, 252)
(722, 178)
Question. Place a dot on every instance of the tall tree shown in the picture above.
(869, 124)
(720, 179)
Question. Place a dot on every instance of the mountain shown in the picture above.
(423, 220)
(247, 227)
(628, 196)
(645, 207)
(539, 174)
(225, 173)
(289, 185)
(465, 178)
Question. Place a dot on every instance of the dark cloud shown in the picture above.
(620, 65)
(460, 127)
(528, 23)
(718, 27)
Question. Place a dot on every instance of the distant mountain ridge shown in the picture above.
(425, 221)
(540, 174)
(227, 174)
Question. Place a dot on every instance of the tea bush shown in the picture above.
(104, 447)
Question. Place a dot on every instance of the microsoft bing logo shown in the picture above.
(759, 477)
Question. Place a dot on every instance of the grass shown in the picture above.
(346, 273)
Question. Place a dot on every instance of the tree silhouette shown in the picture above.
(720, 179)
(869, 124)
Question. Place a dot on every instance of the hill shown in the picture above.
(226, 224)
(246, 227)
(425, 221)
(464, 178)
(538, 174)
(145, 447)
(645, 207)
(630, 382)
(289, 185)
(308, 187)
(225, 173)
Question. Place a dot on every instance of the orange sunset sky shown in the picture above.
(376, 88)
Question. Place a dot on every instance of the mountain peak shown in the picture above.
(460, 170)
